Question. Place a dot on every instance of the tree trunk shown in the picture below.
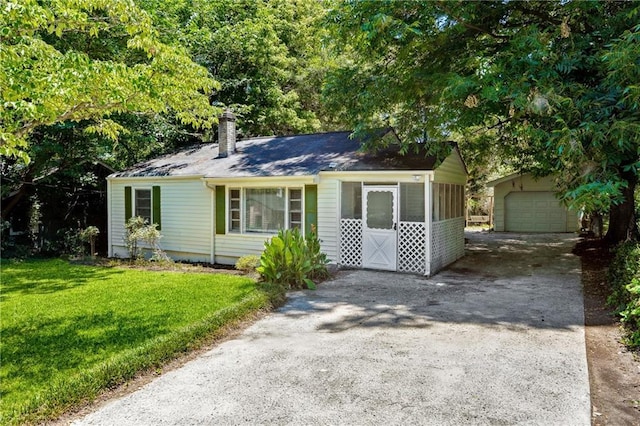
(622, 217)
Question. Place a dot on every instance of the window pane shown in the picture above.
(264, 209)
(454, 201)
(412, 202)
(234, 209)
(295, 208)
(143, 204)
(380, 210)
(351, 200)
(447, 189)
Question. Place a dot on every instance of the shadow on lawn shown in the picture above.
(36, 351)
(48, 276)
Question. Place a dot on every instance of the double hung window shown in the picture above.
(142, 204)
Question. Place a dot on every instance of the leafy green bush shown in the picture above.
(624, 277)
(292, 260)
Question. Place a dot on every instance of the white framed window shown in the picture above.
(142, 204)
(235, 211)
(265, 210)
(295, 208)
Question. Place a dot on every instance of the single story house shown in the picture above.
(523, 203)
(217, 202)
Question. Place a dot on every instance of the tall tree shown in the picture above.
(80, 81)
(75, 60)
(267, 55)
(551, 85)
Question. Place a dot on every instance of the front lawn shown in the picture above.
(70, 331)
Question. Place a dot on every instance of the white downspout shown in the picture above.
(109, 224)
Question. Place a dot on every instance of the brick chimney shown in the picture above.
(226, 134)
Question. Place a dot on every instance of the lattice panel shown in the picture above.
(447, 243)
(351, 242)
(412, 238)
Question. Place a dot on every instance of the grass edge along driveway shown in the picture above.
(68, 332)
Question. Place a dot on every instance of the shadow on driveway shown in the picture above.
(505, 280)
(496, 339)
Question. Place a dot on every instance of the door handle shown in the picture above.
(395, 226)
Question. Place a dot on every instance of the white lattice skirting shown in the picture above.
(447, 243)
(351, 242)
(412, 238)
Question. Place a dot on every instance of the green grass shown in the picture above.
(71, 331)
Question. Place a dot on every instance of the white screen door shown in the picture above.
(379, 234)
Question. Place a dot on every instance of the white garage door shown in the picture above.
(534, 212)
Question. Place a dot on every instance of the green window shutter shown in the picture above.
(155, 214)
(221, 211)
(310, 207)
(127, 204)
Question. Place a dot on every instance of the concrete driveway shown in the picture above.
(498, 339)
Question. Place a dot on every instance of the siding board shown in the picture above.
(186, 216)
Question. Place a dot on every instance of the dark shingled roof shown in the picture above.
(301, 155)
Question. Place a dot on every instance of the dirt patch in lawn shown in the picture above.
(200, 267)
(614, 372)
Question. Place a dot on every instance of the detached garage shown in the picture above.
(525, 204)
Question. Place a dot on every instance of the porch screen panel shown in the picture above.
(435, 197)
(351, 200)
(442, 201)
(412, 202)
(264, 209)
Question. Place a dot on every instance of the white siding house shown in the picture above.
(525, 204)
(217, 202)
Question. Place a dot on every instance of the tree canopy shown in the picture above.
(122, 81)
(551, 87)
(267, 56)
(544, 87)
(74, 60)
